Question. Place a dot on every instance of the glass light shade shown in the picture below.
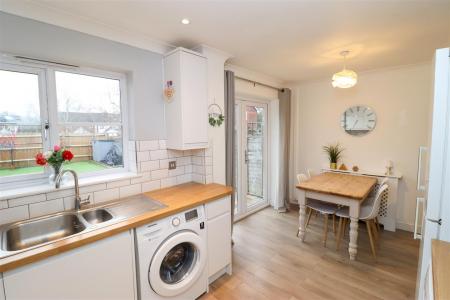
(344, 79)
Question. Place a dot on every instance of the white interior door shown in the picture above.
(251, 132)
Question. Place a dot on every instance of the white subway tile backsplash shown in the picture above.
(14, 214)
(26, 200)
(183, 161)
(106, 195)
(198, 178)
(118, 183)
(208, 161)
(188, 169)
(198, 169)
(151, 186)
(184, 178)
(174, 153)
(176, 172)
(164, 163)
(148, 145)
(142, 156)
(208, 170)
(130, 190)
(158, 154)
(3, 204)
(60, 194)
(45, 208)
(162, 144)
(92, 188)
(149, 158)
(196, 160)
(150, 165)
(168, 182)
(145, 176)
(158, 174)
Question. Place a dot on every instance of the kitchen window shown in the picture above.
(81, 110)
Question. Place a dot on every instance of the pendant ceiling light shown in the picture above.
(346, 78)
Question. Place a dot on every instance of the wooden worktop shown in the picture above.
(176, 199)
(441, 269)
(350, 186)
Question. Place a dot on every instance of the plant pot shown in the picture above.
(333, 166)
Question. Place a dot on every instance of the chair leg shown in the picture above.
(334, 225)
(372, 244)
(378, 224)
(309, 217)
(374, 229)
(339, 234)
(325, 230)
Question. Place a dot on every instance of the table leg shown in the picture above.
(354, 218)
(353, 244)
(302, 214)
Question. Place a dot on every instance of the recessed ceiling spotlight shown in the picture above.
(185, 21)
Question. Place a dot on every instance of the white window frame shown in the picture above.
(49, 113)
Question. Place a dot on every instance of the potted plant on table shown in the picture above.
(334, 153)
(55, 159)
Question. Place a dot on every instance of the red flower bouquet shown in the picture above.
(54, 158)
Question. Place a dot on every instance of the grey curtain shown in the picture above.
(284, 96)
(229, 136)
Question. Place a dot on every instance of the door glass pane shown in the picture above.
(20, 123)
(236, 158)
(255, 122)
(90, 121)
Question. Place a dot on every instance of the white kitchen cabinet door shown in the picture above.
(101, 270)
(2, 291)
(219, 243)
(187, 111)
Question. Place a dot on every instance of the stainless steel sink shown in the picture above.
(23, 235)
(97, 216)
(29, 234)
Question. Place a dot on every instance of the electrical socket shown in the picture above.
(172, 165)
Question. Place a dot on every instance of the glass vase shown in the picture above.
(57, 169)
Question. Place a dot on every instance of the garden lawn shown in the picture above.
(79, 167)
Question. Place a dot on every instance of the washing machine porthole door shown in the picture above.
(177, 264)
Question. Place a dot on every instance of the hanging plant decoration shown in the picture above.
(169, 91)
(215, 115)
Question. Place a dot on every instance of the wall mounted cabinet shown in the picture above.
(186, 112)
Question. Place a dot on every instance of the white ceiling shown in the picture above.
(290, 40)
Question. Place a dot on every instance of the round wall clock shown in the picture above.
(358, 120)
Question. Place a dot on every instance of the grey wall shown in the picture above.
(143, 68)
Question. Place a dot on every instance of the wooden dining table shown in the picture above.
(341, 189)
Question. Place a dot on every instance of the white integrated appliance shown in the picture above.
(433, 179)
(171, 257)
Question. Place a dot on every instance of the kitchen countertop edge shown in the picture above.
(177, 198)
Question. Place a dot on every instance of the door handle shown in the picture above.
(246, 156)
(419, 201)
(439, 222)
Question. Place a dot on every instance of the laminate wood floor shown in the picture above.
(269, 262)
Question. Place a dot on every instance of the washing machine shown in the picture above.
(171, 257)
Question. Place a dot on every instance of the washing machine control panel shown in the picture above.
(176, 221)
(191, 215)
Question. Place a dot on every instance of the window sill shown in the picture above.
(46, 188)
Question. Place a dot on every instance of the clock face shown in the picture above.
(358, 120)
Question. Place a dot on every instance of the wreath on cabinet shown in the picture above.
(215, 115)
